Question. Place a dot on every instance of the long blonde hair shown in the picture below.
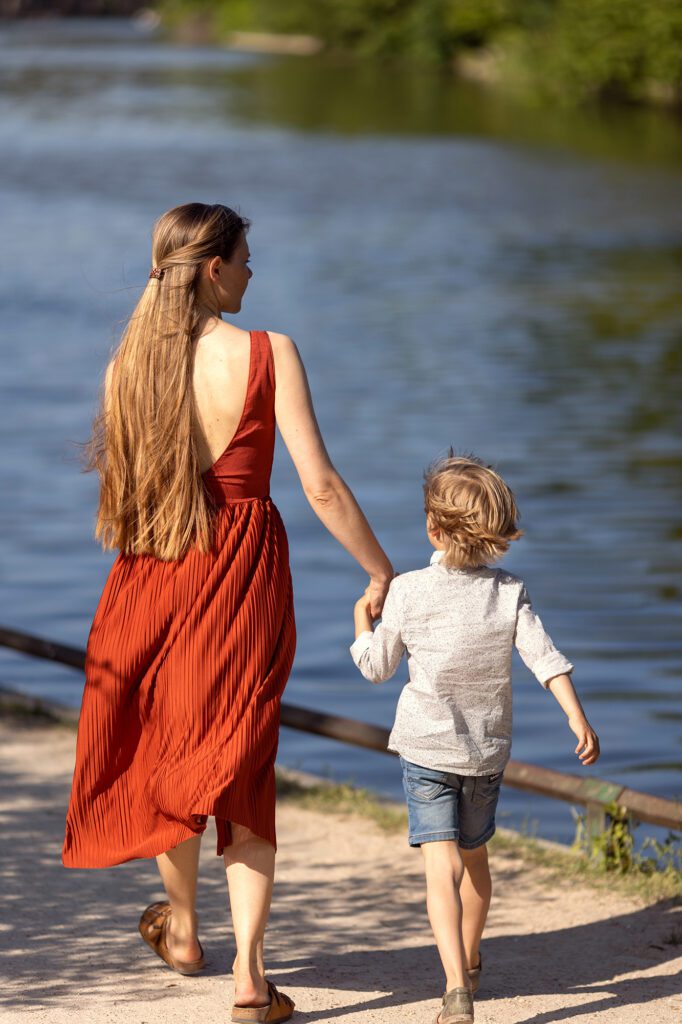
(473, 508)
(152, 499)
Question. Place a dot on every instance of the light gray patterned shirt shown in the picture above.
(457, 627)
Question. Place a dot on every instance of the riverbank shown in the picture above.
(570, 52)
(348, 938)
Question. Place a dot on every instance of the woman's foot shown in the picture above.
(251, 994)
(183, 943)
(279, 1007)
(154, 928)
(251, 988)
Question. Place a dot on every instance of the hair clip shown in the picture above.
(156, 272)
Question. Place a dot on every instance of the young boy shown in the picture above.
(457, 621)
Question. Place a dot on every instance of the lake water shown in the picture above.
(455, 270)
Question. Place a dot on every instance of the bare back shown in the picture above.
(220, 380)
(221, 372)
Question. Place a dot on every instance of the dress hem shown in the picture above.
(151, 850)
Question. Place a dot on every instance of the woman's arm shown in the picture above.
(330, 498)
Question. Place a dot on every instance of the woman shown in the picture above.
(194, 635)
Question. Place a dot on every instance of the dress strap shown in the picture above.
(263, 364)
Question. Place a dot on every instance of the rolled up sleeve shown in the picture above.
(378, 654)
(535, 646)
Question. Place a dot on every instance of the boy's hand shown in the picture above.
(562, 688)
(588, 741)
(363, 613)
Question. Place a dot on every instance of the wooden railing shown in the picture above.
(590, 792)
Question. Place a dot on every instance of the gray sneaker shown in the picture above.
(458, 1007)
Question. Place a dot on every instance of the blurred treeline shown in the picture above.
(572, 51)
(68, 8)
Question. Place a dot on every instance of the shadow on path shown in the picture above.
(71, 935)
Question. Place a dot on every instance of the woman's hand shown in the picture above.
(376, 594)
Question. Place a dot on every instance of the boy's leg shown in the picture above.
(444, 868)
(477, 806)
(475, 892)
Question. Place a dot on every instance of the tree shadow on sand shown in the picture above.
(350, 933)
(583, 960)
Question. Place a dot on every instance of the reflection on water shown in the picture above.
(376, 98)
(455, 270)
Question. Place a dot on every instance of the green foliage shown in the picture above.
(566, 50)
(613, 849)
(381, 27)
(475, 24)
(602, 48)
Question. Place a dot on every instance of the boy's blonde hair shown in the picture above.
(472, 507)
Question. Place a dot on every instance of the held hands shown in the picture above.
(362, 613)
(368, 608)
(376, 595)
(588, 741)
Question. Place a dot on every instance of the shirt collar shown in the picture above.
(437, 559)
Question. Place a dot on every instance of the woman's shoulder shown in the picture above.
(287, 358)
(282, 344)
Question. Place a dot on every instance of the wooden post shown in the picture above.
(595, 821)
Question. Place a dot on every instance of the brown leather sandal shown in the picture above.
(153, 928)
(279, 1008)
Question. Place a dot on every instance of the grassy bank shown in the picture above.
(567, 51)
(649, 878)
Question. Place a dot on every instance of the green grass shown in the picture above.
(578, 866)
(343, 799)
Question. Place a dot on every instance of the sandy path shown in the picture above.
(348, 936)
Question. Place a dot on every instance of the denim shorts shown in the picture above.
(444, 805)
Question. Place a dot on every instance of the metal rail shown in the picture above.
(593, 793)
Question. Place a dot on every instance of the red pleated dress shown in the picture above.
(185, 667)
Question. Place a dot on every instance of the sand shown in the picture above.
(348, 937)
